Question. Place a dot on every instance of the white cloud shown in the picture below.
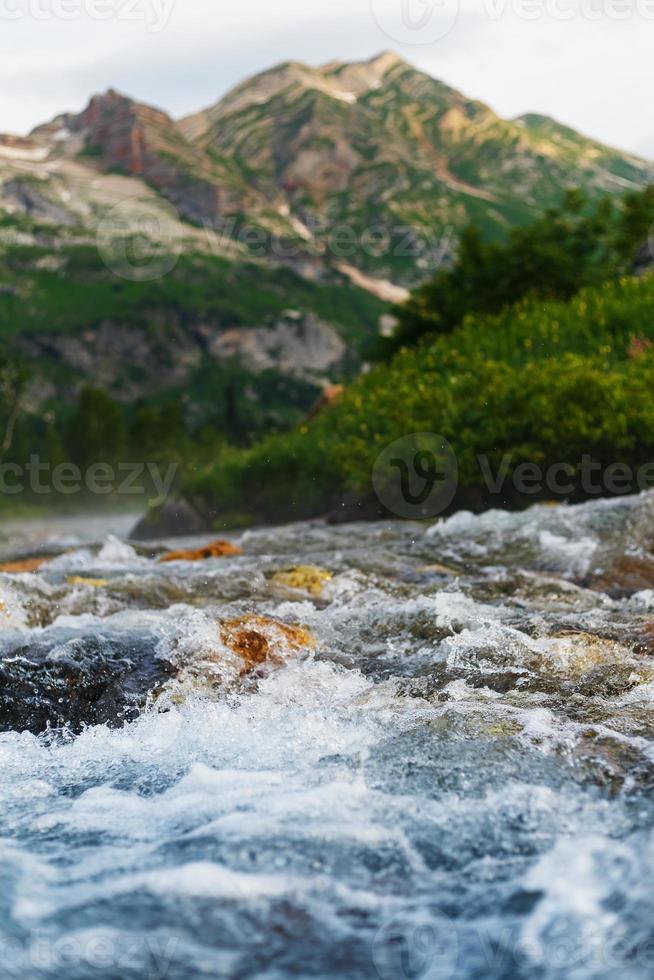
(592, 72)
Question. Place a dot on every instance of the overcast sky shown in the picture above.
(586, 62)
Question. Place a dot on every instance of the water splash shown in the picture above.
(456, 781)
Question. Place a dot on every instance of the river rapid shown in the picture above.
(452, 779)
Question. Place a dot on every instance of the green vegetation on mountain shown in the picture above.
(304, 201)
(109, 367)
(72, 289)
(569, 248)
(381, 145)
(372, 163)
(544, 380)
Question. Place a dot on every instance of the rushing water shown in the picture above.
(456, 782)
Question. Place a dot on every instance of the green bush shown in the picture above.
(544, 382)
(569, 248)
(96, 431)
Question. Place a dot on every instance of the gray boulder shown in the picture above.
(172, 519)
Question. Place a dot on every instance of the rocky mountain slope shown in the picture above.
(370, 168)
(291, 211)
(209, 324)
(381, 146)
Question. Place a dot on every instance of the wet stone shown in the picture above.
(624, 576)
(215, 549)
(76, 682)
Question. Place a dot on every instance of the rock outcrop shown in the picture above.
(173, 518)
(145, 142)
(371, 167)
(296, 344)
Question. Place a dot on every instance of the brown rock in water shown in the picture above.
(574, 654)
(625, 575)
(215, 549)
(645, 639)
(25, 565)
(304, 578)
(258, 640)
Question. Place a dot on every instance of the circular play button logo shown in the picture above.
(416, 476)
(415, 21)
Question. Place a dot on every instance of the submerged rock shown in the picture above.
(258, 640)
(91, 583)
(171, 519)
(12, 612)
(575, 654)
(60, 678)
(215, 549)
(625, 575)
(52, 682)
(22, 566)
(304, 578)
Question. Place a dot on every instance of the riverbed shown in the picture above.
(453, 779)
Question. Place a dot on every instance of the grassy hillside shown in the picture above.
(571, 247)
(381, 145)
(208, 366)
(544, 381)
(153, 348)
(72, 290)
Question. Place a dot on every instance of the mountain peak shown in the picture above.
(385, 60)
(340, 80)
(379, 63)
(112, 99)
(298, 146)
(356, 78)
(111, 95)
